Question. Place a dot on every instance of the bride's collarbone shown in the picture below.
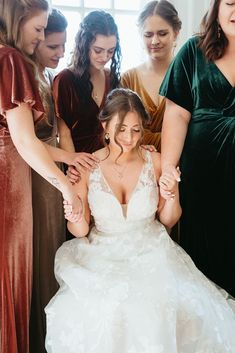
(123, 182)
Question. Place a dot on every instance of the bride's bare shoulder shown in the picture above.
(101, 153)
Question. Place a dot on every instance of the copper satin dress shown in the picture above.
(49, 232)
(79, 116)
(17, 85)
(152, 132)
(207, 162)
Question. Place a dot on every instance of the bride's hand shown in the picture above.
(69, 214)
(74, 201)
(168, 186)
(171, 169)
(73, 175)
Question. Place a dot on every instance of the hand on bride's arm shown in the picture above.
(168, 186)
(80, 164)
(83, 161)
(69, 214)
(73, 175)
(74, 203)
(150, 148)
(171, 169)
(78, 225)
(169, 206)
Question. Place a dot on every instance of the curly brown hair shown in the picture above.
(96, 22)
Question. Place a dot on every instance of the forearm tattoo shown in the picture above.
(54, 182)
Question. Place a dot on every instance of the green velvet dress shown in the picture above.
(207, 162)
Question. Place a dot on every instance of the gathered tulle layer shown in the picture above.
(138, 294)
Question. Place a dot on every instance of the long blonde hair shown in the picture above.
(13, 13)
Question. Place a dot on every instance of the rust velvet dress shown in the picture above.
(152, 132)
(17, 85)
(79, 116)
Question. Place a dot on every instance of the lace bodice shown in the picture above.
(111, 216)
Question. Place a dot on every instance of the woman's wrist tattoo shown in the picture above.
(54, 182)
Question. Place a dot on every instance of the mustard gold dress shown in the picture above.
(152, 132)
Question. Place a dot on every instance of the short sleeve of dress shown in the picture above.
(178, 82)
(18, 84)
(63, 96)
(125, 80)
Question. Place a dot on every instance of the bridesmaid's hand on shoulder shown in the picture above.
(150, 148)
(83, 161)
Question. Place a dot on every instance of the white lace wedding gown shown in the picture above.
(132, 289)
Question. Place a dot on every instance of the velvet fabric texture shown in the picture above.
(17, 85)
(16, 248)
(49, 233)
(152, 132)
(207, 162)
(80, 117)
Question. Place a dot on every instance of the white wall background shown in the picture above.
(190, 13)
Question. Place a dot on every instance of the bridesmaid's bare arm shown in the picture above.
(33, 151)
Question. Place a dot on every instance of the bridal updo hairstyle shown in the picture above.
(122, 101)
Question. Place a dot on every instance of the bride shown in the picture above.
(125, 286)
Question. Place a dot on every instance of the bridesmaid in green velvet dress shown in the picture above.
(199, 130)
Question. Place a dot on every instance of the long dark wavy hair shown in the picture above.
(212, 44)
(96, 22)
(122, 101)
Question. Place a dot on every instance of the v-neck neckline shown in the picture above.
(133, 191)
(140, 83)
(106, 88)
(223, 75)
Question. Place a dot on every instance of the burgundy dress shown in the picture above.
(17, 85)
(80, 117)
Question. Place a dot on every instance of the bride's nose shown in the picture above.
(128, 136)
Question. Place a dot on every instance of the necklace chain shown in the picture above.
(120, 172)
(95, 95)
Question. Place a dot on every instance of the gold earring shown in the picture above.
(106, 138)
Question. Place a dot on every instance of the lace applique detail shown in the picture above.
(145, 195)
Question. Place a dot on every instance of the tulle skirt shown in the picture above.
(135, 292)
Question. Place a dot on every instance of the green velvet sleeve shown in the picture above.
(178, 82)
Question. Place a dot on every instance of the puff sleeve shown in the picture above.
(18, 84)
